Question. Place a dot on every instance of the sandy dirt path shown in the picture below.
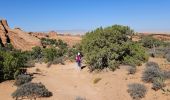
(67, 83)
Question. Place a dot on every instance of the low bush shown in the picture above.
(51, 53)
(22, 79)
(71, 54)
(167, 74)
(150, 73)
(132, 69)
(36, 53)
(137, 91)
(150, 42)
(54, 43)
(31, 90)
(1, 69)
(158, 83)
(152, 64)
(168, 57)
(11, 63)
(161, 51)
(80, 98)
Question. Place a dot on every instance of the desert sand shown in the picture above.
(66, 82)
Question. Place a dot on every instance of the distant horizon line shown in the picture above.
(83, 31)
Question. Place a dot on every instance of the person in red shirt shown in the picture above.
(78, 60)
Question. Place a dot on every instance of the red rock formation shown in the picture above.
(3, 34)
(39, 34)
(18, 38)
(52, 34)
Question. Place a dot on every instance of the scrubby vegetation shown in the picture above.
(111, 46)
(11, 60)
(152, 64)
(155, 47)
(80, 98)
(150, 73)
(168, 57)
(150, 42)
(158, 83)
(22, 79)
(132, 70)
(137, 91)
(31, 91)
(155, 75)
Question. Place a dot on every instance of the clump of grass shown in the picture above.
(80, 98)
(96, 80)
(150, 73)
(158, 83)
(22, 79)
(152, 64)
(132, 70)
(137, 91)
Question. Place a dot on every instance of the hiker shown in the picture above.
(78, 60)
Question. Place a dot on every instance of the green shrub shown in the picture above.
(61, 44)
(10, 66)
(11, 62)
(22, 79)
(55, 43)
(150, 42)
(137, 91)
(46, 41)
(18, 72)
(36, 53)
(8, 47)
(158, 83)
(110, 47)
(132, 69)
(152, 72)
(1, 68)
(31, 90)
(72, 52)
(133, 54)
(51, 53)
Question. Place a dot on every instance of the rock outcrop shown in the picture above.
(18, 38)
(39, 34)
(52, 34)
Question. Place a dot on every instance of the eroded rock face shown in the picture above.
(52, 34)
(18, 38)
(39, 34)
